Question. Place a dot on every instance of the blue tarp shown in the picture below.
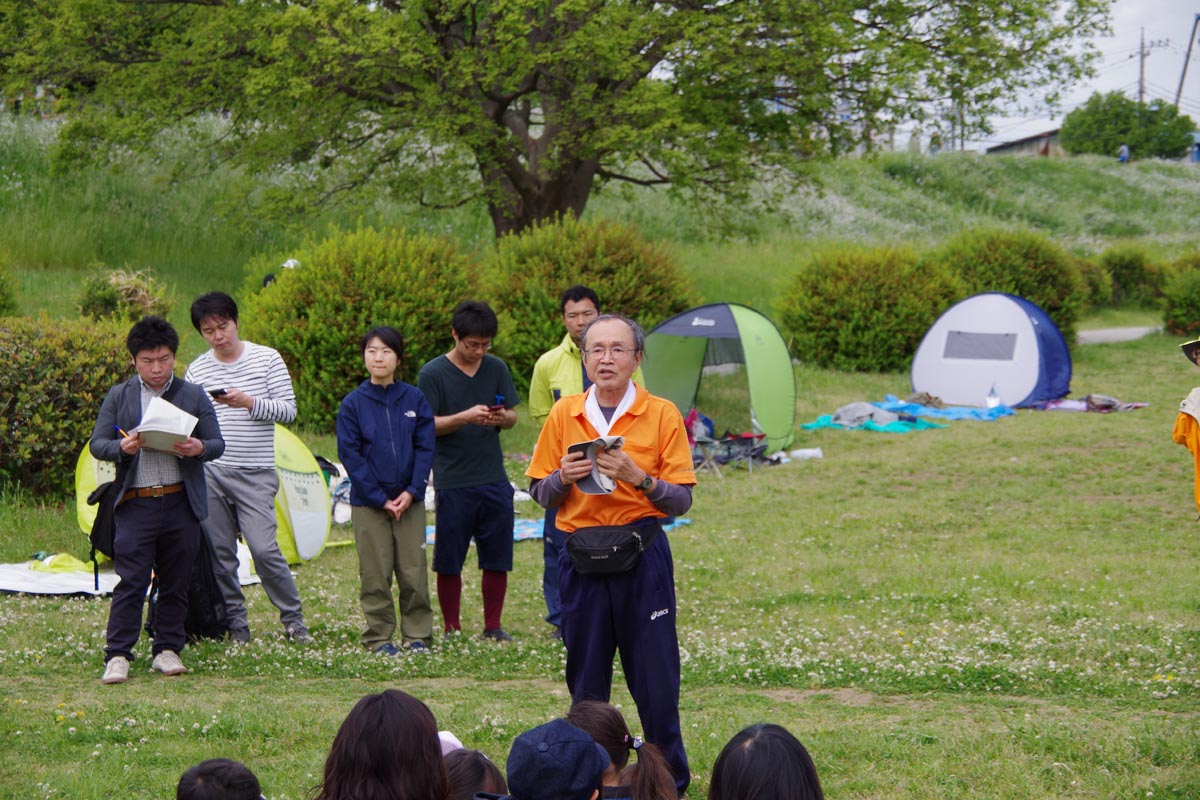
(922, 413)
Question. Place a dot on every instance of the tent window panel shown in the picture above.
(724, 351)
(980, 346)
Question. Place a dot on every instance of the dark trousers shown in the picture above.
(553, 541)
(632, 613)
(159, 534)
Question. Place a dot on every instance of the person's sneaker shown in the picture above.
(496, 635)
(558, 634)
(296, 632)
(417, 646)
(116, 670)
(167, 662)
(239, 635)
(388, 649)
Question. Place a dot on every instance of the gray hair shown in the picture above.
(639, 336)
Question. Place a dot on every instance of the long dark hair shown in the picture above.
(652, 779)
(764, 762)
(386, 749)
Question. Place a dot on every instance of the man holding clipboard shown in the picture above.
(163, 499)
(616, 575)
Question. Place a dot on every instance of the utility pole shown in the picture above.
(1142, 68)
(1143, 51)
(1186, 59)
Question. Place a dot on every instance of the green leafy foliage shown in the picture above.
(865, 310)
(63, 369)
(124, 295)
(528, 106)
(1106, 121)
(316, 313)
(1136, 280)
(8, 291)
(1181, 296)
(1022, 263)
(527, 273)
(1098, 281)
(1181, 304)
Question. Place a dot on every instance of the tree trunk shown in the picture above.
(515, 205)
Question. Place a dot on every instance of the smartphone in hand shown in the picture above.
(217, 392)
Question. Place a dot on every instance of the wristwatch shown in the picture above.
(646, 483)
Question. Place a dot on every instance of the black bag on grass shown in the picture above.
(206, 618)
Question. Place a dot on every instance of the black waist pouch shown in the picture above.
(609, 549)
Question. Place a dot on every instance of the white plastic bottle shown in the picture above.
(993, 399)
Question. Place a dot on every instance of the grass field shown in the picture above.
(1004, 610)
(991, 610)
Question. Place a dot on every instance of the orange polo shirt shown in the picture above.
(654, 438)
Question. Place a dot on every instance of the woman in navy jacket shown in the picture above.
(385, 441)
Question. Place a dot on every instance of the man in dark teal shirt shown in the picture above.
(473, 399)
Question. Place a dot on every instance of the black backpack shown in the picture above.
(105, 497)
(206, 617)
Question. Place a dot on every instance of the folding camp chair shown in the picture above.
(742, 448)
(705, 449)
(705, 452)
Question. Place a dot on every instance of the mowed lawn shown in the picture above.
(990, 610)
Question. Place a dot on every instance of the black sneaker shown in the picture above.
(239, 635)
(296, 632)
(496, 635)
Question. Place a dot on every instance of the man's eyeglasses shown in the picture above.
(478, 347)
(617, 352)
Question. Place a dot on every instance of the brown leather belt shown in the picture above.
(152, 491)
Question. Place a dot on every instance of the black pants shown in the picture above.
(159, 534)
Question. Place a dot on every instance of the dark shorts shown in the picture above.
(483, 513)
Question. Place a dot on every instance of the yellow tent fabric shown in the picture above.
(302, 506)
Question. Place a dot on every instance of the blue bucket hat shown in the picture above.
(555, 761)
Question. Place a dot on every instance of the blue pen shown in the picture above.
(117, 428)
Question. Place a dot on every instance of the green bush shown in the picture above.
(125, 295)
(526, 274)
(1098, 282)
(63, 368)
(1022, 263)
(865, 310)
(1136, 280)
(1181, 297)
(316, 313)
(8, 291)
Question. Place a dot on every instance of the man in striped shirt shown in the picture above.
(251, 390)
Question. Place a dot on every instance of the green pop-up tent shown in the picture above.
(678, 350)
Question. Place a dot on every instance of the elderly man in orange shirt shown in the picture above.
(616, 575)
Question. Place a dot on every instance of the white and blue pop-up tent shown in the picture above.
(993, 341)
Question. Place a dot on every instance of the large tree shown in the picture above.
(1106, 121)
(532, 104)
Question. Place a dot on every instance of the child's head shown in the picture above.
(470, 772)
(387, 744)
(650, 778)
(555, 761)
(764, 762)
(218, 779)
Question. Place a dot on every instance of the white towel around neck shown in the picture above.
(591, 409)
